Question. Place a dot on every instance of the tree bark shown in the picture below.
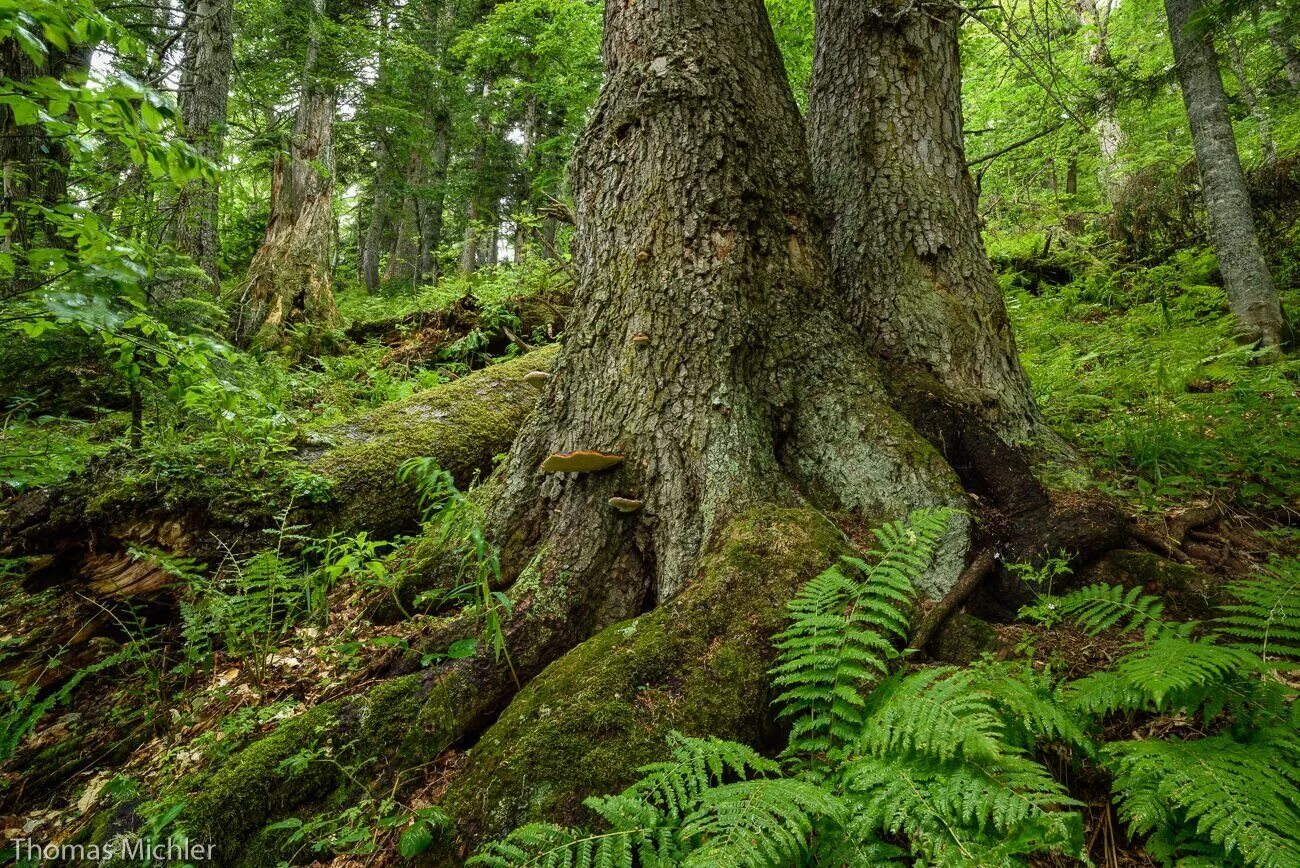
(372, 243)
(290, 279)
(1251, 292)
(432, 203)
(204, 91)
(34, 166)
(704, 343)
(885, 133)
(471, 253)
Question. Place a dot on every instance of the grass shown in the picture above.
(1139, 367)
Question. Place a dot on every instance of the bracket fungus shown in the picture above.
(580, 461)
(640, 339)
(537, 379)
(625, 504)
(643, 256)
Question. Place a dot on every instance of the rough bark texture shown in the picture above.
(204, 90)
(290, 279)
(885, 133)
(703, 343)
(432, 203)
(1251, 293)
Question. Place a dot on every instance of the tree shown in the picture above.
(885, 133)
(290, 279)
(1251, 293)
(204, 91)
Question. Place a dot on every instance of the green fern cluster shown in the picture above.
(1230, 797)
(844, 627)
(941, 758)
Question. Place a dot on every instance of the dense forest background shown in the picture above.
(282, 281)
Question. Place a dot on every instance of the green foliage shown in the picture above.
(455, 521)
(1230, 796)
(843, 631)
(1099, 608)
(1219, 798)
(931, 756)
(1142, 369)
(1266, 618)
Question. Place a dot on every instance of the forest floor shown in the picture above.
(111, 698)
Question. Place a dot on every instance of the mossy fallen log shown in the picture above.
(86, 525)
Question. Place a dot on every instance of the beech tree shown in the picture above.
(1251, 293)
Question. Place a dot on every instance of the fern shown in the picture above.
(935, 764)
(1242, 798)
(1170, 672)
(1266, 620)
(941, 756)
(1031, 706)
(843, 632)
(766, 821)
(1098, 608)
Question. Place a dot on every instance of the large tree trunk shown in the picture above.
(204, 90)
(1251, 293)
(710, 360)
(290, 279)
(885, 132)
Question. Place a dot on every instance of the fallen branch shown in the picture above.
(967, 582)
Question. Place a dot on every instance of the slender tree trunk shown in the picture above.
(1263, 121)
(1251, 293)
(1110, 135)
(471, 254)
(204, 90)
(35, 167)
(885, 132)
(433, 203)
(290, 279)
(1289, 54)
(524, 187)
(372, 243)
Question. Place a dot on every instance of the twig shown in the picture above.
(967, 582)
(516, 340)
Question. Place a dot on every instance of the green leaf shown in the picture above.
(415, 840)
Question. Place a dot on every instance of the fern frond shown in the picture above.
(1171, 672)
(935, 712)
(1098, 608)
(1242, 797)
(1031, 706)
(698, 764)
(843, 631)
(1266, 620)
(758, 823)
(958, 812)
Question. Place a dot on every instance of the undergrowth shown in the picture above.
(941, 766)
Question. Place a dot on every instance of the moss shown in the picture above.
(961, 639)
(698, 664)
(251, 786)
(463, 425)
(1189, 593)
